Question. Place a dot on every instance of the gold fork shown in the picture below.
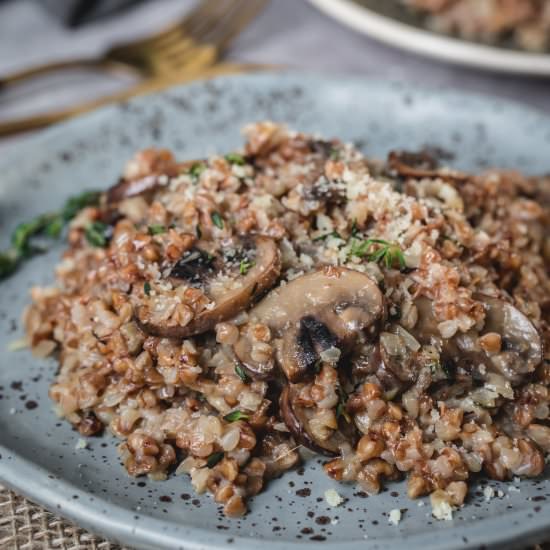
(174, 55)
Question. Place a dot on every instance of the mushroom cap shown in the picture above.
(132, 187)
(125, 189)
(227, 303)
(521, 342)
(421, 165)
(322, 309)
(521, 348)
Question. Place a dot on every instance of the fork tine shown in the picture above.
(199, 39)
(230, 31)
(175, 31)
(199, 22)
(221, 30)
(180, 49)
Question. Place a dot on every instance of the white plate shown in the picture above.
(369, 18)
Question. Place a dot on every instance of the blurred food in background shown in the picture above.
(524, 23)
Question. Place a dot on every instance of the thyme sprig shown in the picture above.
(235, 416)
(50, 226)
(379, 251)
(245, 266)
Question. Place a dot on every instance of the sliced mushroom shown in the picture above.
(521, 348)
(519, 352)
(125, 189)
(323, 309)
(147, 184)
(297, 417)
(197, 268)
(421, 165)
(367, 362)
(398, 358)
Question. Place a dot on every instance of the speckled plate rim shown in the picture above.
(430, 44)
(125, 526)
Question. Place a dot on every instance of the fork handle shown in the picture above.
(101, 64)
(19, 125)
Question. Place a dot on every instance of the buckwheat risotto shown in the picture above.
(223, 316)
(526, 22)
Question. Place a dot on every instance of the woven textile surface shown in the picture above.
(27, 526)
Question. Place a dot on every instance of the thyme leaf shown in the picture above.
(379, 251)
(235, 416)
(156, 229)
(235, 158)
(241, 373)
(96, 234)
(245, 265)
(217, 220)
(213, 459)
(196, 170)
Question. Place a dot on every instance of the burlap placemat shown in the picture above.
(27, 526)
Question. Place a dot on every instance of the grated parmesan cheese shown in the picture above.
(81, 444)
(333, 498)
(395, 516)
(441, 508)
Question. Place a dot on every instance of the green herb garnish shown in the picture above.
(9, 261)
(354, 228)
(317, 366)
(156, 229)
(213, 459)
(235, 416)
(196, 170)
(240, 372)
(75, 204)
(379, 251)
(334, 234)
(341, 407)
(334, 154)
(21, 237)
(55, 227)
(217, 219)
(46, 225)
(147, 287)
(96, 234)
(446, 369)
(440, 369)
(235, 158)
(245, 266)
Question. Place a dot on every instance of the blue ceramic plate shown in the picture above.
(37, 451)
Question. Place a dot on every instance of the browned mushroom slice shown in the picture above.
(302, 348)
(125, 189)
(297, 419)
(367, 361)
(147, 184)
(321, 311)
(224, 281)
(508, 343)
(398, 357)
(421, 165)
(521, 346)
